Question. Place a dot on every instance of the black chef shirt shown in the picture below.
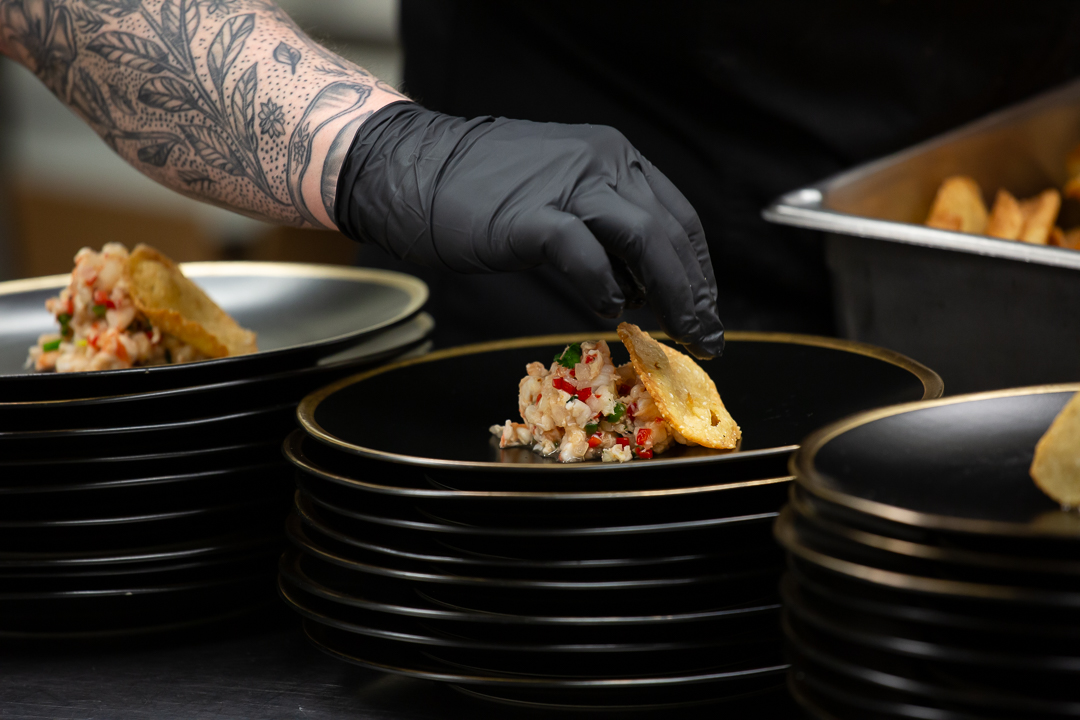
(737, 101)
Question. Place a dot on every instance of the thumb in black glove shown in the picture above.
(498, 195)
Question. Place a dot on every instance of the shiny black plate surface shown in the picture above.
(397, 597)
(189, 402)
(300, 312)
(136, 439)
(958, 464)
(399, 660)
(98, 465)
(803, 552)
(778, 388)
(687, 486)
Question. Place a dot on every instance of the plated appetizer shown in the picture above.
(123, 310)
(584, 407)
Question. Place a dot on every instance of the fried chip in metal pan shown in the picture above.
(1056, 467)
(178, 306)
(684, 393)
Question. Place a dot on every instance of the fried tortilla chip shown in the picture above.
(1057, 237)
(684, 393)
(1056, 467)
(958, 206)
(1040, 213)
(178, 306)
(1006, 219)
(1071, 239)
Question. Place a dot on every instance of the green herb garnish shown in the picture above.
(616, 416)
(65, 324)
(570, 357)
(51, 345)
(99, 310)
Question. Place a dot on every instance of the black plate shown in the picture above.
(958, 464)
(687, 485)
(62, 471)
(240, 428)
(508, 640)
(353, 559)
(956, 647)
(1015, 567)
(751, 703)
(398, 659)
(882, 673)
(134, 555)
(402, 515)
(778, 387)
(1017, 623)
(787, 535)
(190, 402)
(87, 579)
(397, 597)
(422, 547)
(300, 312)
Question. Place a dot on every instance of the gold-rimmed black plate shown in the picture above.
(917, 679)
(419, 547)
(249, 426)
(956, 465)
(327, 551)
(394, 659)
(397, 597)
(239, 395)
(913, 585)
(778, 387)
(941, 557)
(656, 651)
(689, 485)
(300, 313)
(101, 465)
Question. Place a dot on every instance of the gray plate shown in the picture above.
(300, 312)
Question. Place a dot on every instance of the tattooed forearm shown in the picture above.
(227, 101)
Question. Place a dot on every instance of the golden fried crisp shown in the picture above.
(178, 306)
(1070, 239)
(1006, 219)
(1040, 213)
(958, 206)
(1056, 467)
(684, 393)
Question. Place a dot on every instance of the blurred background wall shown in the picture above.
(62, 188)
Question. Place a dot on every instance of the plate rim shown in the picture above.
(428, 324)
(932, 384)
(686, 679)
(415, 288)
(809, 479)
(296, 456)
(784, 532)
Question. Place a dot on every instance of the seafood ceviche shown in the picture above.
(111, 315)
(584, 407)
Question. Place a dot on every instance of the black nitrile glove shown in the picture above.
(498, 195)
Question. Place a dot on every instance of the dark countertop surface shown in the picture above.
(259, 667)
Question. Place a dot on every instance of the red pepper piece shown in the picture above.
(643, 436)
(645, 454)
(100, 298)
(622, 441)
(594, 441)
(561, 384)
(584, 394)
(92, 341)
(631, 410)
(589, 359)
(573, 373)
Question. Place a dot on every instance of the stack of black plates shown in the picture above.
(422, 549)
(152, 497)
(929, 577)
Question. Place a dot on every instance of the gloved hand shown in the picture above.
(498, 195)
